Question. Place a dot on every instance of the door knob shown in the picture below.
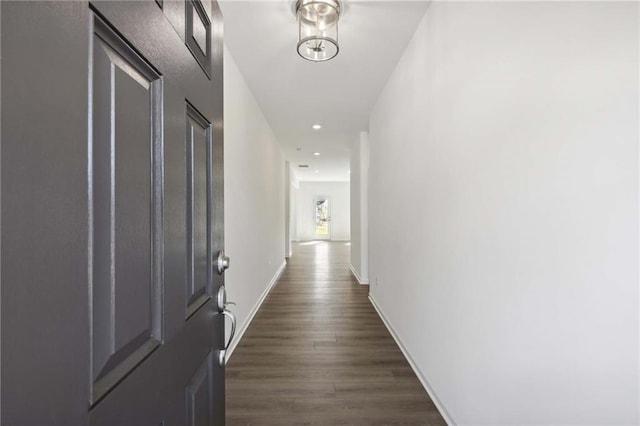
(222, 354)
(222, 262)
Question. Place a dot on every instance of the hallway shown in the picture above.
(317, 353)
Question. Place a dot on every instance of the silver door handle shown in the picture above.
(222, 262)
(222, 355)
(221, 299)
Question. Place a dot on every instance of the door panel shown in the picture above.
(112, 181)
(199, 394)
(198, 34)
(199, 262)
(123, 211)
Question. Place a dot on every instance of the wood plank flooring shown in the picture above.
(317, 353)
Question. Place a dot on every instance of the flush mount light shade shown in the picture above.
(318, 29)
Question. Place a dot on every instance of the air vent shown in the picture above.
(304, 166)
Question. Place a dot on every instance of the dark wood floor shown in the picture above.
(317, 353)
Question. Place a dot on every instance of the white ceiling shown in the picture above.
(295, 94)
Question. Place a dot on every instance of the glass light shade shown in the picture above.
(318, 29)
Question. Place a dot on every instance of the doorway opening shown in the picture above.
(322, 218)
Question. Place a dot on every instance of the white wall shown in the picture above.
(339, 193)
(254, 195)
(504, 175)
(294, 186)
(359, 208)
(287, 209)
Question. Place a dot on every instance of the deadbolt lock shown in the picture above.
(222, 262)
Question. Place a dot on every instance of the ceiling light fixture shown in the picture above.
(316, 153)
(318, 29)
(316, 127)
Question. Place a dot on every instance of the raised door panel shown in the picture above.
(125, 209)
(132, 233)
(199, 267)
(199, 395)
(198, 33)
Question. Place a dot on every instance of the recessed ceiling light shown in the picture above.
(316, 127)
(317, 171)
(316, 153)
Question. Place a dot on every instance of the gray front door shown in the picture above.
(112, 214)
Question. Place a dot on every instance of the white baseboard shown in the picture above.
(254, 310)
(421, 377)
(355, 274)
